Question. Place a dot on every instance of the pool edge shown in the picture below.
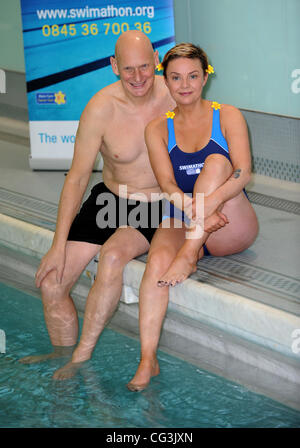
(265, 329)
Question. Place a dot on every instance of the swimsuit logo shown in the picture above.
(191, 169)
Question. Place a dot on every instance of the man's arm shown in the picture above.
(88, 141)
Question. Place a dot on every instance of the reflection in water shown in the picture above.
(181, 396)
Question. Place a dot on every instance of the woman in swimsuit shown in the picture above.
(201, 148)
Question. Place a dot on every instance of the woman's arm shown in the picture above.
(236, 134)
(156, 137)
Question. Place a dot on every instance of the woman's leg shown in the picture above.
(153, 301)
(215, 172)
(241, 231)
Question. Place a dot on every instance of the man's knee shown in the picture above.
(52, 289)
(113, 257)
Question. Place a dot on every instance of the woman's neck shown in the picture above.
(195, 110)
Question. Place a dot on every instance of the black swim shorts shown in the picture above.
(104, 212)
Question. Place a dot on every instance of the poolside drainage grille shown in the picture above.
(218, 271)
(48, 210)
(27, 208)
(276, 203)
(248, 274)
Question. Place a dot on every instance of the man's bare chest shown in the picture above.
(124, 137)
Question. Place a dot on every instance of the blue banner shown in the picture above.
(67, 48)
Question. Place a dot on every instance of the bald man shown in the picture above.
(113, 123)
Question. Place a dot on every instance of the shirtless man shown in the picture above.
(113, 123)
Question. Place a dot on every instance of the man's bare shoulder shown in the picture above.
(101, 105)
(157, 126)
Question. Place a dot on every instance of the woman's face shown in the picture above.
(185, 80)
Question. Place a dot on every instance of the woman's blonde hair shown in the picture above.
(185, 50)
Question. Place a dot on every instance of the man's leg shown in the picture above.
(59, 310)
(124, 245)
(153, 301)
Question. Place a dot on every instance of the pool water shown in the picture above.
(182, 396)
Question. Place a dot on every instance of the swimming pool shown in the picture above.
(182, 396)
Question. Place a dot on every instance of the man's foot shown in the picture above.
(181, 268)
(67, 371)
(146, 370)
(58, 352)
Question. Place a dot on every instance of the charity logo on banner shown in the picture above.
(67, 48)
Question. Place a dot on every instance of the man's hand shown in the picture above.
(53, 260)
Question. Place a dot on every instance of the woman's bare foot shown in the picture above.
(181, 268)
(146, 370)
(58, 352)
(67, 371)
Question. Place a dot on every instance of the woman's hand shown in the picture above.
(215, 222)
(53, 260)
(189, 207)
(204, 206)
(210, 206)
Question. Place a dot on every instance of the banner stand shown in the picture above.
(67, 49)
(44, 164)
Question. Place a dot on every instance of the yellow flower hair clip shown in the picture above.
(159, 67)
(210, 69)
(215, 105)
(170, 114)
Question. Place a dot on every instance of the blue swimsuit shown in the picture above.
(187, 166)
